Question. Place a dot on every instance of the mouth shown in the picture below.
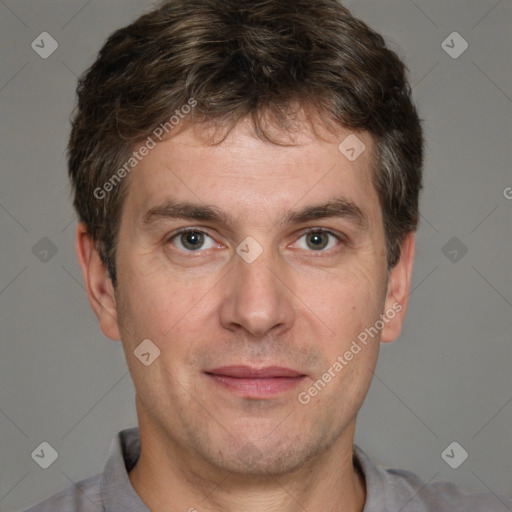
(249, 382)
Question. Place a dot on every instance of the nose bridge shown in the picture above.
(256, 297)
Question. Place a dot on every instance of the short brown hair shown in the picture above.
(238, 59)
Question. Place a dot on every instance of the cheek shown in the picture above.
(346, 300)
(152, 310)
(155, 300)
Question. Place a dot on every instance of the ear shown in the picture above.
(397, 296)
(97, 283)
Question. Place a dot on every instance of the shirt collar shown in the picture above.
(375, 478)
(116, 489)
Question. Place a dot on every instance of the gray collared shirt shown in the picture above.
(388, 490)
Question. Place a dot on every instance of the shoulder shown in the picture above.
(419, 496)
(393, 489)
(84, 496)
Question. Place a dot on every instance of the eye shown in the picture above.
(192, 240)
(318, 240)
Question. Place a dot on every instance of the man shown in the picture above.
(246, 175)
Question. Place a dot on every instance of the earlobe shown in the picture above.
(97, 283)
(397, 297)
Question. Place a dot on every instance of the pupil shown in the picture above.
(316, 242)
(192, 240)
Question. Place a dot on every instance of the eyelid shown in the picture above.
(305, 231)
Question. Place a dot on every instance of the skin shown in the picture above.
(294, 306)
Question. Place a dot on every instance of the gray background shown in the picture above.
(448, 376)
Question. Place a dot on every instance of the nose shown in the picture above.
(257, 297)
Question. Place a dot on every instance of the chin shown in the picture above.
(267, 457)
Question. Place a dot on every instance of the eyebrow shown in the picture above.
(182, 210)
(338, 207)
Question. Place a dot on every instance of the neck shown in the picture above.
(170, 479)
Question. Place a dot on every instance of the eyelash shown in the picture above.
(306, 232)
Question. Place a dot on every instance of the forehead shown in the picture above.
(245, 175)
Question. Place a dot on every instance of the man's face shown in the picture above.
(298, 305)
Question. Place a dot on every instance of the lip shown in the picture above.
(250, 382)
(248, 372)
